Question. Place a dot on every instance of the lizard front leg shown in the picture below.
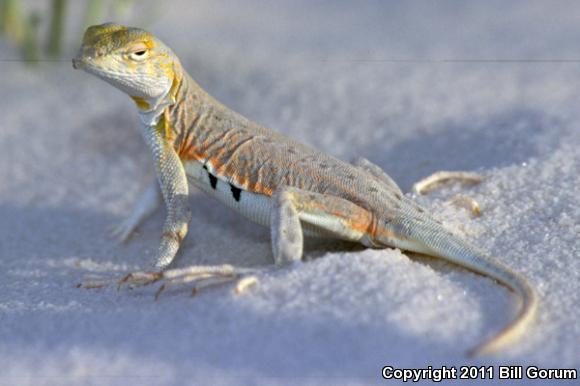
(174, 188)
(172, 182)
(144, 207)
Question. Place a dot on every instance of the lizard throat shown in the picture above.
(151, 109)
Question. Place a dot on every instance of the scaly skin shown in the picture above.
(265, 176)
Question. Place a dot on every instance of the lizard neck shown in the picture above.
(188, 118)
(195, 117)
(151, 110)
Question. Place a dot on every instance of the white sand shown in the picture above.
(72, 163)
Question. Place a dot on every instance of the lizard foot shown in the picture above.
(139, 279)
(200, 276)
(468, 203)
(94, 282)
(428, 184)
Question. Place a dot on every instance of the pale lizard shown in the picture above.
(267, 177)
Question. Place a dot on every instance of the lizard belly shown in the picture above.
(255, 207)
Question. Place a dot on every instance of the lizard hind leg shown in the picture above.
(296, 211)
(431, 182)
(378, 173)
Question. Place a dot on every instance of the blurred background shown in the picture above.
(47, 29)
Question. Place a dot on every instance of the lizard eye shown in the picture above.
(138, 55)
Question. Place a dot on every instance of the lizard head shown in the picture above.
(130, 59)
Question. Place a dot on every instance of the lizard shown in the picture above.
(267, 177)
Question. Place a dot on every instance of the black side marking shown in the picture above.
(236, 192)
(212, 178)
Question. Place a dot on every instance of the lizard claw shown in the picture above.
(139, 279)
(159, 291)
(93, 283)
(468, 203)
(200, 277)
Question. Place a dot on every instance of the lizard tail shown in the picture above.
(428, 238)
(458, 251)
(517, 327)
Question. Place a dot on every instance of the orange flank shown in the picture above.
(357, 218)
(245, 182)
(255, 187)
(187, 151)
